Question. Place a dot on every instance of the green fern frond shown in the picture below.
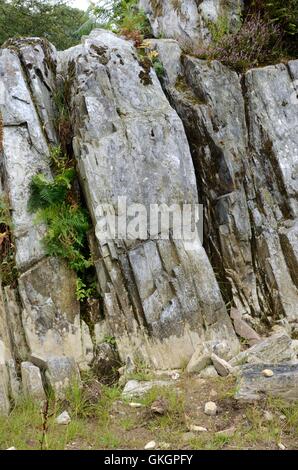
(45, 193)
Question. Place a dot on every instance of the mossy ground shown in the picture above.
(109, 422)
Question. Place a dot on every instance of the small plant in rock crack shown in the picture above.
(8, 269)
(85, 292)
(67, 222)
(157, 65)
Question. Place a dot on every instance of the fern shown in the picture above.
(45, 193)
(67, 223)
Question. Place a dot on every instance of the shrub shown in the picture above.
(256, 43)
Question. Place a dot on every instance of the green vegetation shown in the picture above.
(8, 269)
(102, 419)
(267, 34)
(55, 21)
(278, 11)
(121, 15)
(66, 220)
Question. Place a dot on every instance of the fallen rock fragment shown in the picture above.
(253, 385)
(208, 372)
(135, 405)
(150, 445)
(135, 388)
(267, 372)
(159, 406)
(222, 367)
(210, 408)
(61, 373)
(63, 418)
(273, 350)
(195, 428)
(243, 329)
(199, 360)
(227, 432)
(32, 381)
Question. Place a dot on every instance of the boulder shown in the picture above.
(32, 381)
(274, 349)
(208, 372)
(200, 359)
(253, 384)
(243, 329)
(61, 373)
(222, 367)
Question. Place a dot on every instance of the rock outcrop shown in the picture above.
(160, 299)
(242, 134)
(204, 134)
(188, 21)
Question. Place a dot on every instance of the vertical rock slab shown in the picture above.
(273, 122)
(4, 382)
(160, 299)
(51, 314)
(49, 309)
(25, 153)
(243, 138)
(187, 21)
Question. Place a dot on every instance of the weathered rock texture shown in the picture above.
(47, 303)
(243, 136)
(253, 385)
(210, 135)
(159, 299)
(188, 21)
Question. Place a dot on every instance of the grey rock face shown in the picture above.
(274, 349)
(61, 373)
(4, 383)
(253, 385)
(32, 381)
(45, 298)
(243, 138)
(130, 142)
(51, 314)
(187, 21)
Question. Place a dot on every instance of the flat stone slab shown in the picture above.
(254, 385)
(134, 388)
(274, 349)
